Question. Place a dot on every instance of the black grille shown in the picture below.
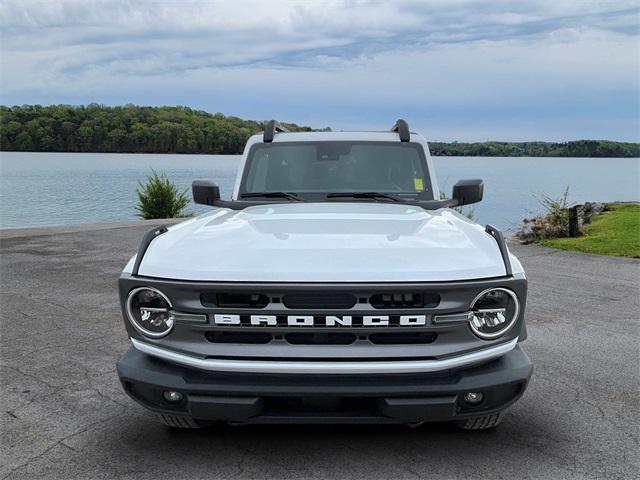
(234, 300)
(239, 337)
(319, 300)
(405, 300)
(320, 338)
(402, 338)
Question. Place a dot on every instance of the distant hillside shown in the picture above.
(578, 148)
(135, 129)
(128, 129)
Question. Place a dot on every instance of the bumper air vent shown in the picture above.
(319, 300)
(234, 300)
(404, 300)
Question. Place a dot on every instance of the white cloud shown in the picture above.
(340, 63)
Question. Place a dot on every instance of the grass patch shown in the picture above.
(616, 232)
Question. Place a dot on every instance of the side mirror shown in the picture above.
(205, 192)
(468, 191)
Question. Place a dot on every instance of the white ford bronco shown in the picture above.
(334, 286)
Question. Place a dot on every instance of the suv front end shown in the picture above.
(327, 307)
(259, 353)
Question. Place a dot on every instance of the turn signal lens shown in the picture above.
(149, 311)
(493, 313)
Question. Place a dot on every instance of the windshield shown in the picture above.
(337, 167)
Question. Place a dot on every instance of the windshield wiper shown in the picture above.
(373, 195)
(285, 195)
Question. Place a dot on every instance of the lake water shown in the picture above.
(38, 189)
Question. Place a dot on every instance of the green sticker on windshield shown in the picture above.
(418, 184)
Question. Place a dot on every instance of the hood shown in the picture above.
(325, 242)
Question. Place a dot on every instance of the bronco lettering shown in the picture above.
(320, 321)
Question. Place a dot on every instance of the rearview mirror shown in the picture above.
(468, 191)
(205, 192)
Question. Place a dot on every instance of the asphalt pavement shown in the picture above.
(64, 415)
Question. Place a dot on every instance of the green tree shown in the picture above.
(160, 198)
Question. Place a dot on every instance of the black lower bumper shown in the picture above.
(261, 398)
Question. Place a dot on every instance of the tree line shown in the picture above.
(136, 129)
(127, 129)
(577, 148)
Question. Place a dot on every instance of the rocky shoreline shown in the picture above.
(563, 222)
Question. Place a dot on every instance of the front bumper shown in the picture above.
(320, 398)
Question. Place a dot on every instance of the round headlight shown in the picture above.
(149, 311)
(493, 313)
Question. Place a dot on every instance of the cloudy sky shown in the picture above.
(455, 69)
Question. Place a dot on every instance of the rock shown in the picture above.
(593, 208)
(547, 226)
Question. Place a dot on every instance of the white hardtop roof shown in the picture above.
(338, 136)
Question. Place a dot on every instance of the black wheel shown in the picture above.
(485, 422)
(179, 421)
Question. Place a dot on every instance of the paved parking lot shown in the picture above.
(64, 415)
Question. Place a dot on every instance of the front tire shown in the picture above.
(485, 422)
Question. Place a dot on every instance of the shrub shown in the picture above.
(552, 223)
(557, 214)
(160, 198)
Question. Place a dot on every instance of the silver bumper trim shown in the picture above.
(323, 367)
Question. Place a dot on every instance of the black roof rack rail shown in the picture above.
(402, 128)
(270, 129)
